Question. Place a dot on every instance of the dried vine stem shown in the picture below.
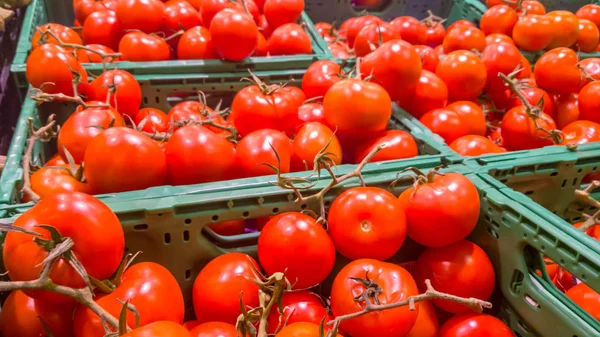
(104, 56)
(43, 134)
(474, 304)
(585, 197)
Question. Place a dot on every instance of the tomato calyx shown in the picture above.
(372, 289)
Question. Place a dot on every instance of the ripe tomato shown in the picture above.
(461, 269)
(50, 68)
(586, 298)
(83, 8)
(214, 329)
(150, 287)
(446, 123)
(194, 111)
(535, 97)
(255, 149)
(234, 34)
(356, 25)
(298, 306)
(56, 160)
(326, 30)
(229, 228)
(221, 284)
(261, 46)
(372, 36)
(448, 206)
(159, 329)
(102, 28)
(357, 108)
(296, 244)
(311, 112)
(74, 215)
(475, 145)
(526, 72)
(464, 73)
(427, 322)
(589, 102)
(398, 145)
(581, 132)
(301, 329)
(464, 38)
(498, 38)
(85, 56)
(279, 12)
(48, 181)
(567, 109)
(429, 57)
(366, 222)
(144, 15)
(430, 93)
(499, 58)
(458, 23)
(533, 32)
(557, 71)
(434, 34)
(127, 97)
(411, 30)
(590, 12)
(289, 39)
(196, 44)
(211, 151)
(396, 285)
(395, 65)
(588, 36)
(519, 130)
(121, 159)
(340, 50)
(65, 34)
(474, 324)
(156, 120)
(319, 77)
(142, 47)
(83, 126)
(180, 14)
(210, 8)
(22, 316)
(499, 19)
(473, 113)
(310, 139)
(566, 29)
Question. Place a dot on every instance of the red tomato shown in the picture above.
(531, 7)
(180, 14)
(499, 58)
(319, 77)
(214, 329)
(356, 25)
(83, 8)
(234, 34)
(127, 97)
(56, 160)
(326, 30)
(150, 287)
(102, 28)
(86, 56)
(144, 15)
(427, 322)
(74, 215)
(310, 139)
(279, 12)
(356, 108)
(446, 123)
(474, 324)
(340, 50)
(229, 228)
(254, 108)
(121, 159)
(301, 329)
(140, 47)
(261, 46)
(22, 316)
(398, 145)
(458, 23)
(297, 244)
(434, 34)
(210, 8)
(425, 214)
(497, 38)
(159, 329)
(311, 112)
(499, 19)
(429, 57)
(526, 72)
(83, 126)
(567, 109)
(289, 39)
(589, 102)
(372, 36)
(535, 97)
(430, 93)
(296, 94)
(533, 32)
(557, 71)
(298, 306)
(590, 12)
(396, 285)
(48, 181)
(473, 114)
(411, 30)
(211, 151)
(588, 36)
(519, 130)
(464, 38)
(581, 132)
(461, 269)
(395, 65)
(156, 120)
(255, 149)
(464, 73)
(475, 145)
(220, 285)
(65, 34)
(566, 29)
(50, 68)
(366, 222)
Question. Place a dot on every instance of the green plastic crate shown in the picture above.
(40, 12)
(156, 91)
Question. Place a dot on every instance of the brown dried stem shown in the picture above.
(584, 196)
(43, 134)
(44, 37)
(41, 97)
